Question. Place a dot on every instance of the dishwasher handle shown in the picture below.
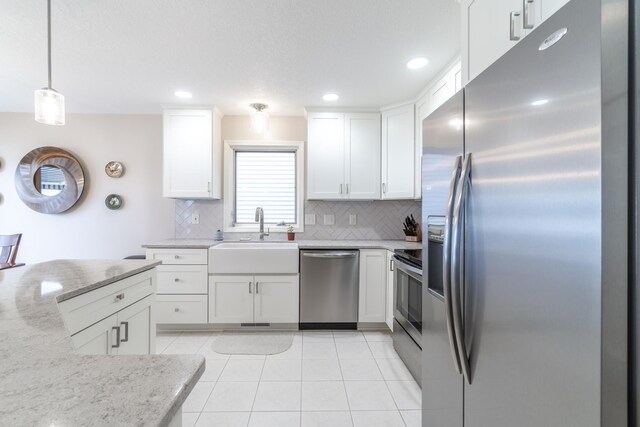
(329, 254)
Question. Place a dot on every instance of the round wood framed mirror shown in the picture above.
(49, 180)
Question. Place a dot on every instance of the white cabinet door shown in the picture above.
(548, 7)
(373, 286)
(398, 153)
(276, 299)
(390, 292)
(138, 328)
(325, 168)
(231, 299)
(362, 156)
(422, 111)
(486, 28)
(190, 155)
(97, 338)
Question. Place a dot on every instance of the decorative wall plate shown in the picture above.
(114, 169)
(114, 201)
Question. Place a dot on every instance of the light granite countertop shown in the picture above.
(302, 244)
(43, 382)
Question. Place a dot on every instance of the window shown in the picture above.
(266, 179)
(266, 174)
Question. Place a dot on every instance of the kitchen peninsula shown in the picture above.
(43, 378)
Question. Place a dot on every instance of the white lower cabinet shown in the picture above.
(390, 291)
(97, 338)
(372, 307)
(253, 299)
(276, 299)
(132, 330)
(137, 328)
(181, 309)
(230, 299)
(182, 285)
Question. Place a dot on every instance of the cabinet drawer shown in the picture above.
(181, 309)
(179, 256)
(84, 310)
(182, 279)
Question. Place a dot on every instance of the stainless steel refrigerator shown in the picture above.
(525, 313)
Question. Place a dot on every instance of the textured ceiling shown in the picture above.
(129, 56)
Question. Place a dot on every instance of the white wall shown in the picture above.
(89, 230)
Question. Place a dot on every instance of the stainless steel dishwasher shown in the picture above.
(329, 289)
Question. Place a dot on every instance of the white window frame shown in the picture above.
(230, 147)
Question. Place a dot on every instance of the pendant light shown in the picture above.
(259, 119)
(49, 103)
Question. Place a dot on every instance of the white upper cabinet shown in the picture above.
(437, 94)
(344, 156)
(192, 154)
(491, 27)
(398, 153)
(325, 168)
(546, 8)
(362, 156)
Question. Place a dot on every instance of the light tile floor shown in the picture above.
(326, 379)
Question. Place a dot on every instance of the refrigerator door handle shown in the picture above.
(446, 264)
(457, 265)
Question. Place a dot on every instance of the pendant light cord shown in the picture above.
(49, 39)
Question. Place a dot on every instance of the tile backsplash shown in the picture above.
(374, 220)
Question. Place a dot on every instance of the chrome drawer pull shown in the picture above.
(176, 256)
(117, 344)
(176, 309)
(126, 331)
(176, 280)
(120, 297)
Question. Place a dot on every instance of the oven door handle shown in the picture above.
(407, 268)
(457, 266)
(446, 264)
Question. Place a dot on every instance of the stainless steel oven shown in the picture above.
(408, 296)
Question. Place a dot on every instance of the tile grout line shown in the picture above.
(344, 385)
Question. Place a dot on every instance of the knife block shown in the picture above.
(417, 237)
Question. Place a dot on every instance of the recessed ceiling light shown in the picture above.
(540, 102)
(416, 63)
(183, 94)
(331, 97)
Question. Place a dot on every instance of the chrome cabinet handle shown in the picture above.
(176, 257)
(257, 283)
(457, 266)
(528, 20)
(384, 187)
(249, 287)
(446, 264)
(209, 187)
(176, 309)
(340, 188)
(513, 26)
(176, 280)
(126, 331)
(347, 188)
(391, 265)
(117, 329)
(120, 297)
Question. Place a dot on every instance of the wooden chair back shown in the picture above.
(9, 249)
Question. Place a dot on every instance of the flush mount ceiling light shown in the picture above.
(417, 63)
(183, 94)
(330, 97)
(259, 118)
(49, 104)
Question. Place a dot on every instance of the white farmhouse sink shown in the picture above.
(253, 258)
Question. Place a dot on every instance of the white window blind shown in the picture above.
(265, 179)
